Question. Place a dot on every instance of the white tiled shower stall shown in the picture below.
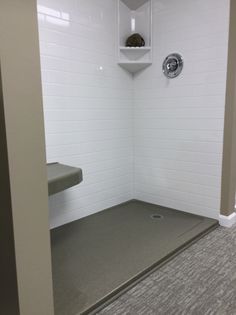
(141, 136)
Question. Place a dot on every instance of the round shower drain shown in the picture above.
(156, 216)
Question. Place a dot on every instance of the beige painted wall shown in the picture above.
(22, 99)
(8, 285)
(229, 152)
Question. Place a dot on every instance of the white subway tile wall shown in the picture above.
(179, 122)
(88, 104)
(145, 137)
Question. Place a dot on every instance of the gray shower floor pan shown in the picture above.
(97, 257)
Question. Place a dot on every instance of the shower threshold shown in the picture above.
(96, 258)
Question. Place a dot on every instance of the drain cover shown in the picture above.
(156, 216)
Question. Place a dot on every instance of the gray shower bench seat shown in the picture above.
(61, 177)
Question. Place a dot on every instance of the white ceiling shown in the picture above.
(134, 4)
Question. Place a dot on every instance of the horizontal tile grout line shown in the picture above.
(138, 119)
(187, 182)
(75, 61)
(174, 170)
(184, 96)
(206, 45)
(92, 131)
(98, 191)
(89, 97)
(74, 35)
(148, 87)
(86, 186)
(79, 61)
(78, 85)
(124, 157)
(87, 86)
(157, 76)
(85, 97)
(198, 36)
(59, 44)
(90, 141)
(91, 178)
(183, 118)
(114, 64)
(142, 128)
(88, 108)
(178, 160)
(209, 71)
(92, 204)
(174, 199)
(156, 98)
(88, 193)
(110, 74)
(78, 34)
(80, 156)
(71, 107)
(91, 28)
(188, 118)
(182, 191)
(126, 108)
(174, 159)
(83, 107)
(126, 148)
(184, 129)
(137, 137)
(120, 159)
(80, 198)
(164, 139)
(179, 181)
(138, 147)
(85, 120)
(167, 10)
(92, 173)
(97, 74)
(159, 79)
(190, 107)
(107, 151)
(129, 89)
(140, 107)
(114, 61)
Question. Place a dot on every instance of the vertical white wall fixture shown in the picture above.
(134, 17)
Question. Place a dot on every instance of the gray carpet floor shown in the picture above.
(199, 281)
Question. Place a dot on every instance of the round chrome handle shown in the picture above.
(172, 65)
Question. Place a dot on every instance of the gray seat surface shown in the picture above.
(61, 177)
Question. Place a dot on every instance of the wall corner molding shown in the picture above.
(227, 221)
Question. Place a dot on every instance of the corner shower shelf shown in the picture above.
(134, 66)
(135, 52)
(134, 17)
(61, 177)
